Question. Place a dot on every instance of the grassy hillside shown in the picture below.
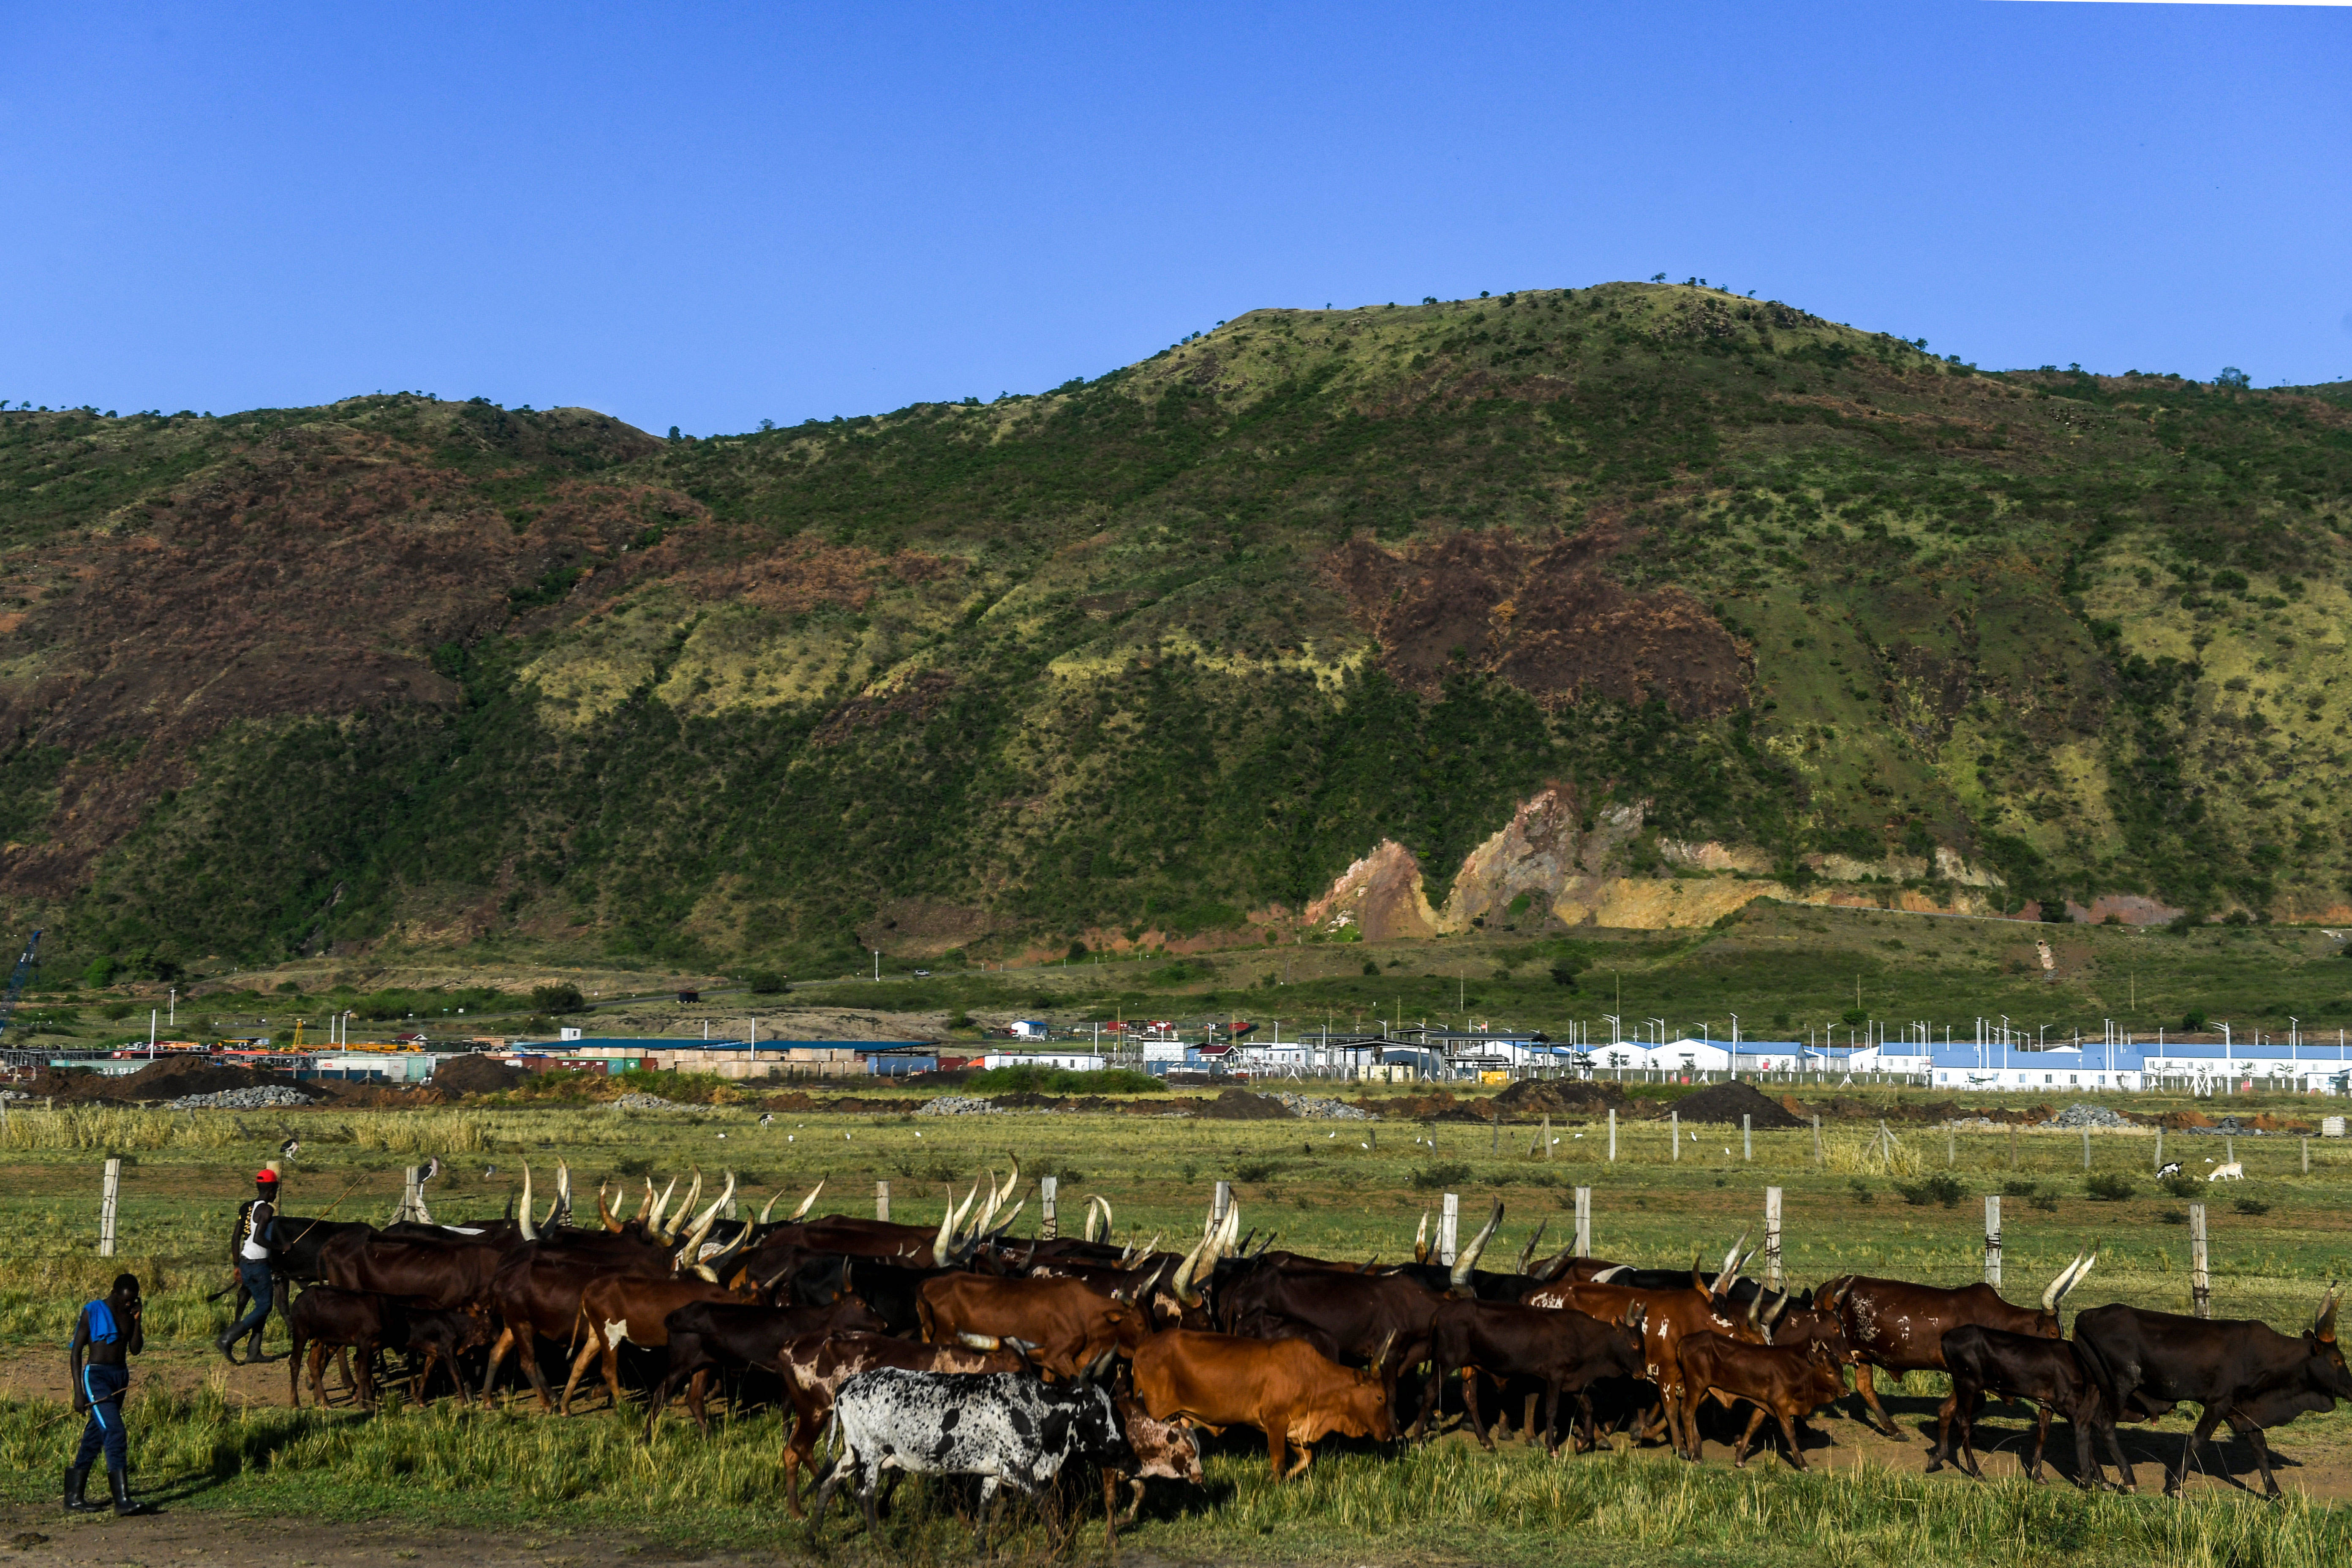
(1163, 654)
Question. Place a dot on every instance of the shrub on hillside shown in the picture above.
(1940, 1188)
(564, 998)
(2108, 1186)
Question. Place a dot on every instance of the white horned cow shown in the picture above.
(1008, 1428)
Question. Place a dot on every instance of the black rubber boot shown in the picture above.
(76, 1482)
(123, 1506)
(227, 1346)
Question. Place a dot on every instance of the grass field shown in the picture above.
(1345, 1189)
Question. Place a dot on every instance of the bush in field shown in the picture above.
(2108, 1186)
(2181, 1184)
(1940, 1188)
(1430, 1178)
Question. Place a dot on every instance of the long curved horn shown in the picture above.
(604, 1215)
(1366, 1267)
(809, 1202)
(1149, 1248)
(691, 1252)
(1528, 1253)
(560, 1215)
(693, 1196)
(980, 1341)
(1181, 1286)
(661, 1206)
(702, 1221)
(1421, 1239)
(1731, 1259)
(1755, 1305)
(2079, 1275)
(522, 1220)
(644, 1203)
(1094, 1220)
(1011, 1183)
(1468, 1260)
(1233, 1228)
(2323, 1323)
(1779, 1306)
(944, 1242)
(1610, 1273)
(2058, 1285)
(769, 1208)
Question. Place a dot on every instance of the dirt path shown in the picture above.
(49, 1536)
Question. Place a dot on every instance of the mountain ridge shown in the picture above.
(1154, 654)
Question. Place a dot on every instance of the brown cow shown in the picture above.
(815, 1366)
(616, 1308)
(1787, 1380)
(1072, 1325)
(1900, 1327)
(1667, 1315)
(1285, 1388)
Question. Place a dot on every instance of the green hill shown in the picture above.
(1743, 601)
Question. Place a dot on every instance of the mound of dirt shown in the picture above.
(1437, 1105)
(1727, 1102)
(478, 1075)
(165, 1077)
(1533, 1099)
(1241, 1105)
(379, 1095)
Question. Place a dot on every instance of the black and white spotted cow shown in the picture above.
(1008, 1428)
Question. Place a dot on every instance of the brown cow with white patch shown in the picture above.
(617, 1308)
(1285, 1388)
(1164, 1450)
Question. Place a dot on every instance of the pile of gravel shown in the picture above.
(261, 1097)
(636, 1101)
(957, 1105)
(1309, 1105)
(2083, 1114)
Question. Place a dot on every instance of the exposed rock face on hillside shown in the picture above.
(1379, 898)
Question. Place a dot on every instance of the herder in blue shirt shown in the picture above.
(107, 1334)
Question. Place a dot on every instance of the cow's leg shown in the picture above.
(988, 1491)
(800, 1448)
(2244, 1426)
(588, 1353)
(499, 1348)
(1584, 1410)
(2040, 1441)
(1432, 1401)
(1477, 1417)
(318, 1372)
(2087, 1472)
(2198, 1436)
(1306, 1458)
(366, 1390)
(1876, 1415)
(1789, 1436)
(1747, 1444)
(294, 1373)
(1943, 1448)
(1970, 1408)
(1551, 1416)
(1277, 1449)
(2129, 1481)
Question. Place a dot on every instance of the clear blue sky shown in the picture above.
(702, 217)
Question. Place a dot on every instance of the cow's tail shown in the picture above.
(2101, 1371)
(578, 1321)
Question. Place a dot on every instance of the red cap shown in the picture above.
(265, 1175)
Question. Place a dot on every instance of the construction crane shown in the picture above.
(25, 961)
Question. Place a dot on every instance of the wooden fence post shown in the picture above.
(1224, 1200)
(2306, 1157)
(1584, 1222)
(2160, 1147)
(1992, 1241)
(109, 1195)
(1951, 1146)
(412, 1197)
(1447, 1226)
(1495, 1139)
(1048, 1188)
(1612, 1135)
(1674, 1132)
(882, 1200)
(1772, 1237)
(2086, 1148)
(2229, 1149)
(1817, 1139)
(1746, 1138)
(2012, 1145)
(1547, 1144)
(2201, 1278)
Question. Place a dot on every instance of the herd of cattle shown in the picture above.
(962, 1351)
